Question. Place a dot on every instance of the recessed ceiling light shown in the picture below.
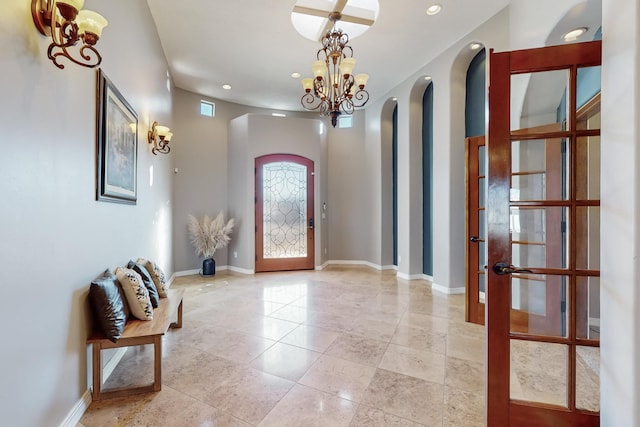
(295, 75)
(278, 115)
(226, 87)
(434, 9)
(475, 46)
(427, 77)
(394, 99)
(574, 34)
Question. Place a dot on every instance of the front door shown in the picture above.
(542, 312)
(284, 213)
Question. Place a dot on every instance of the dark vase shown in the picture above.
(209, 267)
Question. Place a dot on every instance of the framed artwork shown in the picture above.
(117, 145)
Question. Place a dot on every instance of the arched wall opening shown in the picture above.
(387, 185)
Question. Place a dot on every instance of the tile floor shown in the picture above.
(346, 346)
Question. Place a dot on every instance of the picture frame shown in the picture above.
(117, 145)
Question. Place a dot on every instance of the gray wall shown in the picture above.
(349, 207)
(54, 237)
(252, 136)
(201, 185)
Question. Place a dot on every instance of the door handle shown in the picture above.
(502, 268)
(474, 239)
(310, 223)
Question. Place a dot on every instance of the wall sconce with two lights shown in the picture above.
(160, 136)
(68, 24)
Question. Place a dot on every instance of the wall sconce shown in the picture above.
(67, 24)
(160, 136)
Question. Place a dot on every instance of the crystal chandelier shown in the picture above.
(334, 90)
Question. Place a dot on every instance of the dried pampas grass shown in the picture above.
(209, 234)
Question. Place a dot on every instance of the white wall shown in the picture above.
(620, 215)
(54, 236)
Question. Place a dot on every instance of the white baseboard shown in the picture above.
(240, 270)
(447, 290)
(322, 266)
(405, 276)
(73, 417)
(427, 277)
(353, 262)
(390, 267)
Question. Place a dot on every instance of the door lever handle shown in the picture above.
(310, 223)
(502, 268)
(474, 239)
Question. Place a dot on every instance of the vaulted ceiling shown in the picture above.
(253, 46)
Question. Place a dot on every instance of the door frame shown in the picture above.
(501, 410)
(284, 264)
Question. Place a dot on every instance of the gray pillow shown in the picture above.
(107, 306)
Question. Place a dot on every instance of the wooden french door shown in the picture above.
(543, 201)
(284, 213)
(476, 229)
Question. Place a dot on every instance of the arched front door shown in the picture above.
(284, 213)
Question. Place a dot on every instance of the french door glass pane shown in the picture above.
(540, 170)
(284, 193)
(588, 378)
(539, 372)
(588, 317)
(538, 99)
(539, 237)
(588, 85)
(538, 304)
(588, 168)
(588, 238)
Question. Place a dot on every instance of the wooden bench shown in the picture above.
(139, 332)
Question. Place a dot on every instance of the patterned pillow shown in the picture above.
(156, 273)
(136, 293)
(148, 282)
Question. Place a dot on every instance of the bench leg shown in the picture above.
(157, 363)
(97, 370)
(178, 323)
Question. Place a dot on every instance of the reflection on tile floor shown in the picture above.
(346, 346)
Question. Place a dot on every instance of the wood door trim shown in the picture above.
(284, 264)
(474, 309)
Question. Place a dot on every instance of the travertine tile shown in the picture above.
(463, 409)
(465, 375)
(342, 346)
(311, 338)
(286, 361)
(420, 339)
(358, 349)
(415, 363)
(346, 379)
(304, 406)
(249, 395)
(406, 397)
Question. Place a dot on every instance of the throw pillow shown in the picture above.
(157, 275)
(148, 282)
(107, 306)
(136, 292)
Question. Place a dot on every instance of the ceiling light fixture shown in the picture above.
(434, 9)
(71, 25)
(295, 75)
(332, 89)
(226, 87)
(159, 136)
(475, 46)
(574, 34)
